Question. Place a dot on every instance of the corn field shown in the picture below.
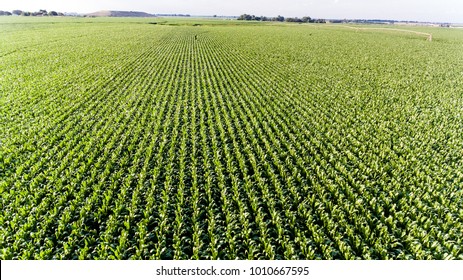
(121, 139)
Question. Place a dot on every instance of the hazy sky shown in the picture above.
(422, 10)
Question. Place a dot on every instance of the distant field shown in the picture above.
(216, 139)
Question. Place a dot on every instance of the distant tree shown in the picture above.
(26, 14)
(306, 19)
(52, 13)
(293, 19)
(246, 17)
(40, 13)
(278, 18)
(17, 12)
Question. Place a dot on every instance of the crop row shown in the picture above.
(215, 143)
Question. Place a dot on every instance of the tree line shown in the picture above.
(34, 14)
(305, 19)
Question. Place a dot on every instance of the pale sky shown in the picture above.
(420, 10)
